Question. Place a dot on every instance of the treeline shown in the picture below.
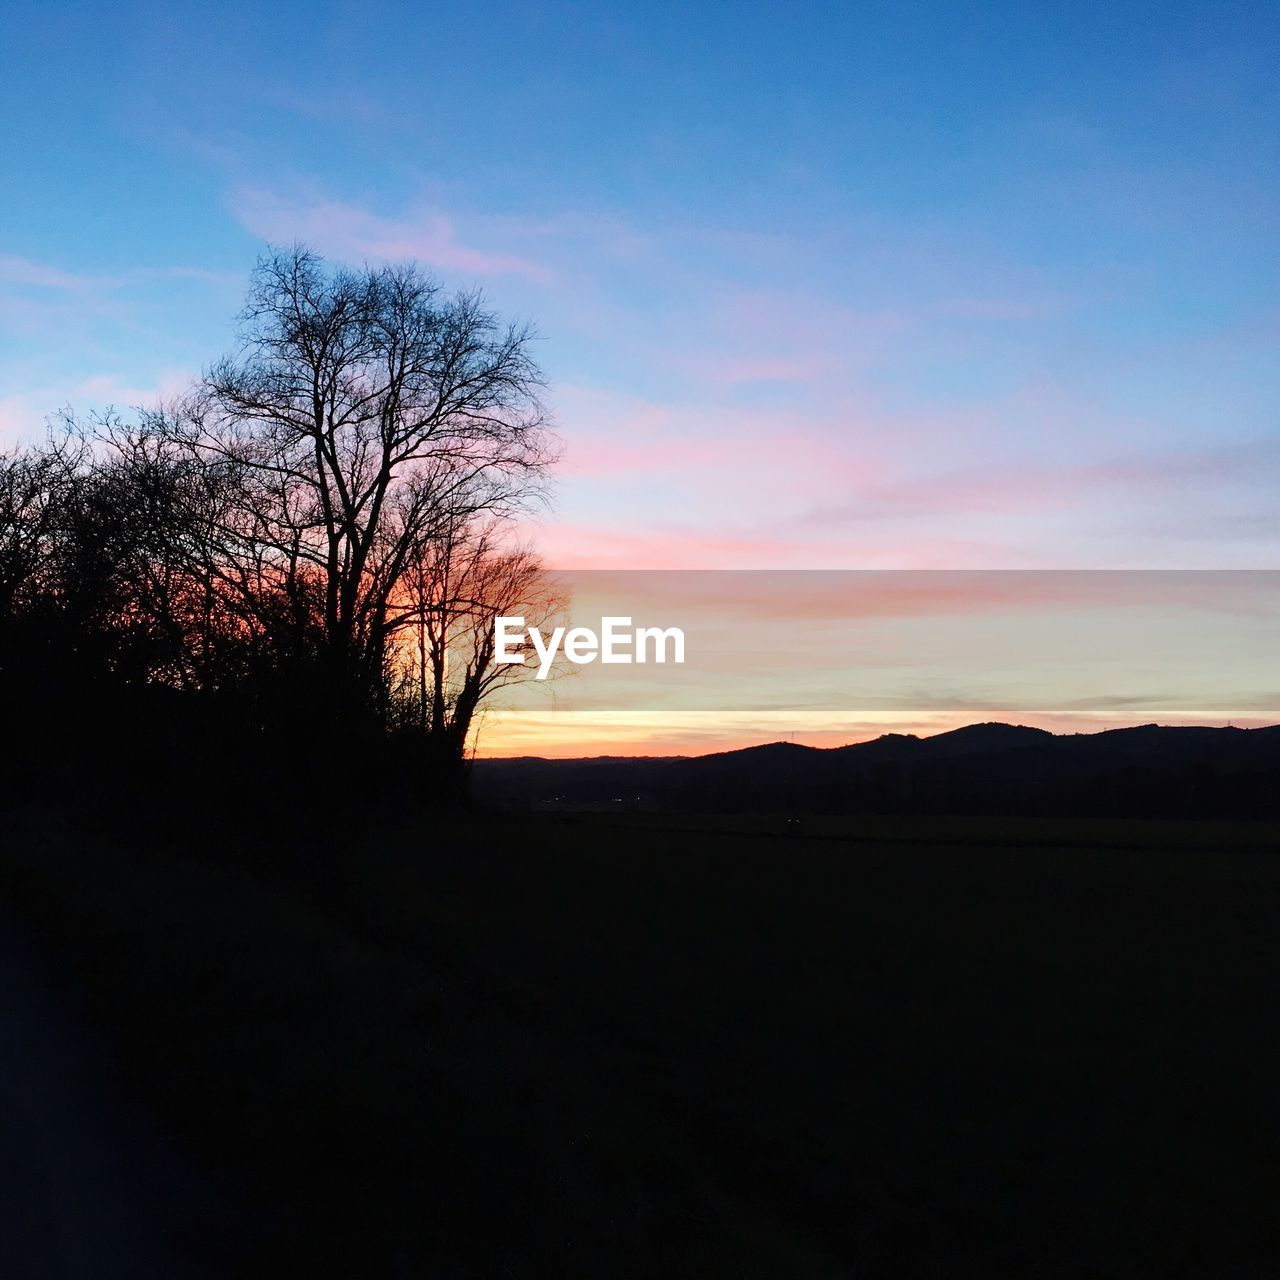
(290, 573)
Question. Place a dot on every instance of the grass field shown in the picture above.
(638, 1046)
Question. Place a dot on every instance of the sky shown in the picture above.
(858, 285)
(921, 285)
(826, 657)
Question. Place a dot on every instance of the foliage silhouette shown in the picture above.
(278, 566)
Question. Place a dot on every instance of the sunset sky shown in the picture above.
(828, 657)
(910, 285)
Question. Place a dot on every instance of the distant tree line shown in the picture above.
(305, 552)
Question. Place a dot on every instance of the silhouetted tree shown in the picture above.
(305, 549)
(455, 586)
(366, 412)
(34, 485)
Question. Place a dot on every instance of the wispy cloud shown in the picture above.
(347, 230)
(1034, 485)
(20, 271)
(24, 416)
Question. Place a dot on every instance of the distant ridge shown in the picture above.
(1145, 770)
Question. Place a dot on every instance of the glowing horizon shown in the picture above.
(833, 657)
(583, 735)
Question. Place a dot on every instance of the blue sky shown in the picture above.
(820, 285)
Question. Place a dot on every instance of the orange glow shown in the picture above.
(570, 735)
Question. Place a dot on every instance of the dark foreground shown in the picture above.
(589, 1048)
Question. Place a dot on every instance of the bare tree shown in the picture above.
(34, 484)
(456, 586)
(309, 548)
(366, 412)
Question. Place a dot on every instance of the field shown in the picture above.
(633, 1046)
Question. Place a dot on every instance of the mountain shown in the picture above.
(1147, 770)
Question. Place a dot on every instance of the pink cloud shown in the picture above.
(580, 544)
(23, 417)
(1036, 485)
(104, 389)
(612, 433)
(22, 271)
(847, 484)
(17, 420)
(779, 335)
(743, 370)
(587, 458)
(346, 230)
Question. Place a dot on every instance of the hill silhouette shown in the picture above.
(992, 768)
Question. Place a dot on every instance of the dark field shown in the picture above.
(600, 1048)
